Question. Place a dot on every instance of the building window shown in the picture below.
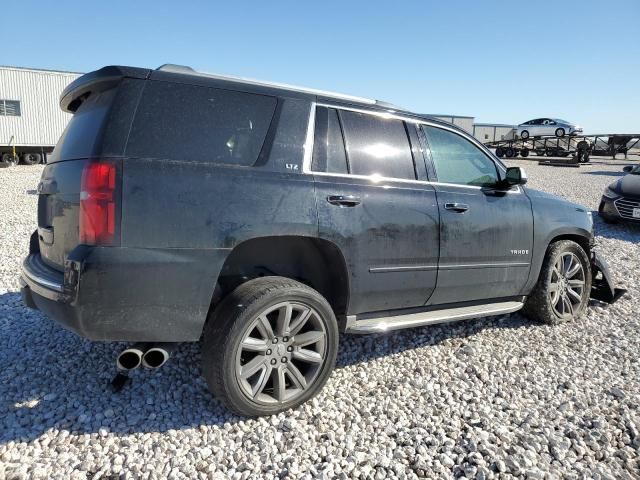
(10, 108)
(486, 136)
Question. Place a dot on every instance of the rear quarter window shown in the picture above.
(192, 123)
(83, 133)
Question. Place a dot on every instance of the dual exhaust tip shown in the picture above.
(150, 356)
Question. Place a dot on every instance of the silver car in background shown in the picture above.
(547, 126)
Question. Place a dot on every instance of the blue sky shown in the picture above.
(499, 61)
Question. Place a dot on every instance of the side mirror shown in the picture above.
(515, 176)
(628, 168)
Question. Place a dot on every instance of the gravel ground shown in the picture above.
(492, 398)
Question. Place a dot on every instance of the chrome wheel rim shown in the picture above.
(566, 289)
(281, 353)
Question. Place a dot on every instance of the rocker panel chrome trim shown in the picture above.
(384, 324)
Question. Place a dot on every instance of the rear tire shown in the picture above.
(5, 160)
(524, 153)
(524, 134)
(258, 355)
(31, 158)
(564, 285)
(510, 152)
(499, 152)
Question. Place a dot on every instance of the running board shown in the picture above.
(384, 324)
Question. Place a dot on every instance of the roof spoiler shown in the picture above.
(98, 81)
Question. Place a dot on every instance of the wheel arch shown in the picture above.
(315, 262)
(582, 240)
(578, 235)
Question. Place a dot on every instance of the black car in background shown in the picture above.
(621, 199)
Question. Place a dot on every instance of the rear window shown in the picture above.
(200, 124)
(84, 130)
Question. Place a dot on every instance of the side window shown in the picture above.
(376, 145)
(457, 160)
(328, 145)
(200, 124)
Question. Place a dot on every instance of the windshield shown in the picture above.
(561, 120)
(635, 170)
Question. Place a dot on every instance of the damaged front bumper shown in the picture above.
(602, 287)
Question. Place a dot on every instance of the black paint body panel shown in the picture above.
(181, 220)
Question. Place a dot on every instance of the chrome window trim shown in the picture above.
(309, 141)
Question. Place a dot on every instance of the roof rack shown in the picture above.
(168, 67)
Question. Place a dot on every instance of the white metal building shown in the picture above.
(461, 121)
(30, 115)
(492, 132)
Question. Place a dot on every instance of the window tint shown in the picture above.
(84, 130)
(457, 160)
(328, 145)
(186, 122)
(10, 108)
(376, 145)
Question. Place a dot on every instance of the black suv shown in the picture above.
(265, 219)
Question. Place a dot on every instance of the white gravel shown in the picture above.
(492, 398)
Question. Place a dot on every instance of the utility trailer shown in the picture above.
(31, 120)
(579, 147)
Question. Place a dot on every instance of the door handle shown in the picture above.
(457, 207)
(344, 200)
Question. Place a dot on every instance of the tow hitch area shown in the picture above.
(602, 287)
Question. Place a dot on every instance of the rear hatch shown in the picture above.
(96, 133)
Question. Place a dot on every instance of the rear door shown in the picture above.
(486, 235)
(374, 203)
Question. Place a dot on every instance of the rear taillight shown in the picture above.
(98, 204)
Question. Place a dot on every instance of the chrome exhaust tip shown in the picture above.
(156, 356)
(130, 358)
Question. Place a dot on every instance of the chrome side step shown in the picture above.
(384, 324)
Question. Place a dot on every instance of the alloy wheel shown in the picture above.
(281, 353)
(566, 289)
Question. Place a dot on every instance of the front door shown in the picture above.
(373, 207)
(486, 235)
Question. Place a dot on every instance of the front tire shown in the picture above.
(562, 292)
(269, 346)
(559, 132)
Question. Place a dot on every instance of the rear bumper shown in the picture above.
(126, 294)
(602, 286)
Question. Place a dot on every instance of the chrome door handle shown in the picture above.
(344, 200)
(457, 207)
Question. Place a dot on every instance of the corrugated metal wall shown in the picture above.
(465, 123)
(491, 133)
(41, 121)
